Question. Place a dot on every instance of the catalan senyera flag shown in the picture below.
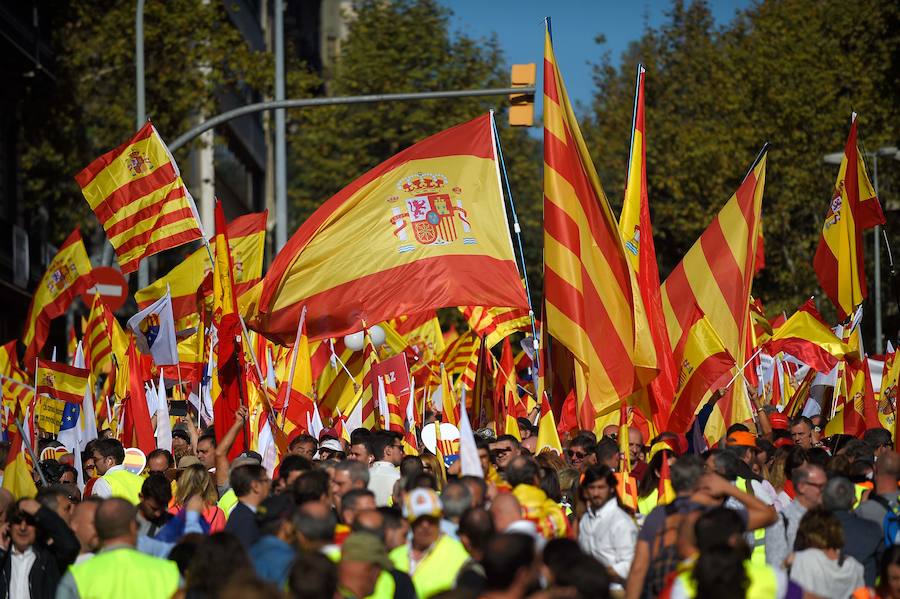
(593, 306)
(61, 381)
(395, 414)
(138, 196)
(369, 385)
(68, 275)
(246, 240)
(9, 361)
(548, 436)
(839, 262)
(422, 230)
(493, 324)
(103, 338)
(451, 407)
(805, 337)
(716, 277)
(637, 232)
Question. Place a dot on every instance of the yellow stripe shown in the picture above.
(150, 200)
(554, 120)
(710, 299)
(158, 234)
(736, 232)
(117, 174)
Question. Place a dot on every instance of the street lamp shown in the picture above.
(837, 158)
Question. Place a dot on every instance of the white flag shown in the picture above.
(470, 465)
(154, 331)
(75, 438)
(163, 424)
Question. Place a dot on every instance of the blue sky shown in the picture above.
(520, 30)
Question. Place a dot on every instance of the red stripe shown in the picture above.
(700, 381)
(422, 285)
(472, 138)
(158, 246)
(171, 218)
(63, 368)
(681, 298)
(94, 168)
(726, 274)
(144, 213)
(60, 395)
(134, 190)
(550, 81)
(806, 351)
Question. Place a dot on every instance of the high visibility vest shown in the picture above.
(438, 570)
(860, 489)
(227, 502)
(125, 572)
(646, 504)
(384, 586)
(758, 556)
(124, 484)
(763, 583)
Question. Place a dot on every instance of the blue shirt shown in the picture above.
(272, 559)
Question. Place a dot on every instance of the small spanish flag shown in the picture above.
(62, 382)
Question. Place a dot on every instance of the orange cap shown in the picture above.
(741, 439)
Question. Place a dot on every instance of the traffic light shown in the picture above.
(521, 106)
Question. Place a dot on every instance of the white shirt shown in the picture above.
(610, 535)
(101, 487)
(382, 476)
(21, 564)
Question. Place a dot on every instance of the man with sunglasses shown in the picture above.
(580, 453)
(503, 450)
(33, 564)
(809, 480)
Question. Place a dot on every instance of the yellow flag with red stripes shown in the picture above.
(138, 195)
(593, 305)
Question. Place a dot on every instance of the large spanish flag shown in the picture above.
(805, 337)
(716, 276)
(138, 196)
(637, 232)
(246, 240)
(423, 230)
(593, 305)
(839, 261)
(68, 275)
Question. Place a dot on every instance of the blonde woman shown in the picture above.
(196, 480)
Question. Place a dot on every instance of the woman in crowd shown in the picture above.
(195, 480)
(819, 564)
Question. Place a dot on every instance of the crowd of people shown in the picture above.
(778, 512)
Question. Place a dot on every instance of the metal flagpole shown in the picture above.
(518, 231)
(290, 381)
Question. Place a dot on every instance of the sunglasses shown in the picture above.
(576, 454)
(26, 518)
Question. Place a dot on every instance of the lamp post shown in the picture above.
(836, 158)
(140, 106)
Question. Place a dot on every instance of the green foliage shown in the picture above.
(784, 71)
(191, 50)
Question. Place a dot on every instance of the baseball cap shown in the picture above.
(779, 421)
(420, 503)
(248, 457)
(365, 547)
(187, 460)
(741, 439)
(332, 445)
(328, 432)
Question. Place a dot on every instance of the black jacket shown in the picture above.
(863, 542)
(50, 560)
(242, 524)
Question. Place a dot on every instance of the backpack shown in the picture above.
(891, 523)
(664, 558)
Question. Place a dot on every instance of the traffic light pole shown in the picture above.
(279, 105)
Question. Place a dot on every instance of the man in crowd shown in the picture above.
(385, 470)
(348, 475)
(251, 484)
(504, 449)
(115, 480)
(863, 540)
(303, 445)
(802, 432)
(809, 481)
(156, 493)
(362, 560)
(455, 499)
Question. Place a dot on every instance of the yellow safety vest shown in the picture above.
(438, 570)
(763, 583)
(124, 484)
(384, 586)
(125, 572)
(758, 556)
(227, 502)
(646, 504)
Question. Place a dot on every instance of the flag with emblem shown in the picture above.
(138, 195)
(61, 381)
(808, 339)
(68, 275)
(17, 471)
(716, 277)
(839, 262)
(423, 230)
(593, 305)
(79, 422)
(154, 331)
(246, 240)
(637, 232)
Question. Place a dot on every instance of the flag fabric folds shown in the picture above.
(807, 339)
(154, 331)
(593, 306)
(61, 381)
(716, 276)
(637, 232)
(68, 275)
(422, 230)
(839, 261)
(17, 471)
(138, 196)
(496, 323)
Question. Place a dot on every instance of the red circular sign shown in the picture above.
(111, 285)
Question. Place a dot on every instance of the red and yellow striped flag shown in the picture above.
(61, 381)
(496, 323)
(637, 232)
(395, 416)
(716, 276)
(593, 305)
(423, 230)
(246, 240)
(103, 338)
(839, 261)
(451, 407)
(369, 387)
(68, 275)
(138, 196)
